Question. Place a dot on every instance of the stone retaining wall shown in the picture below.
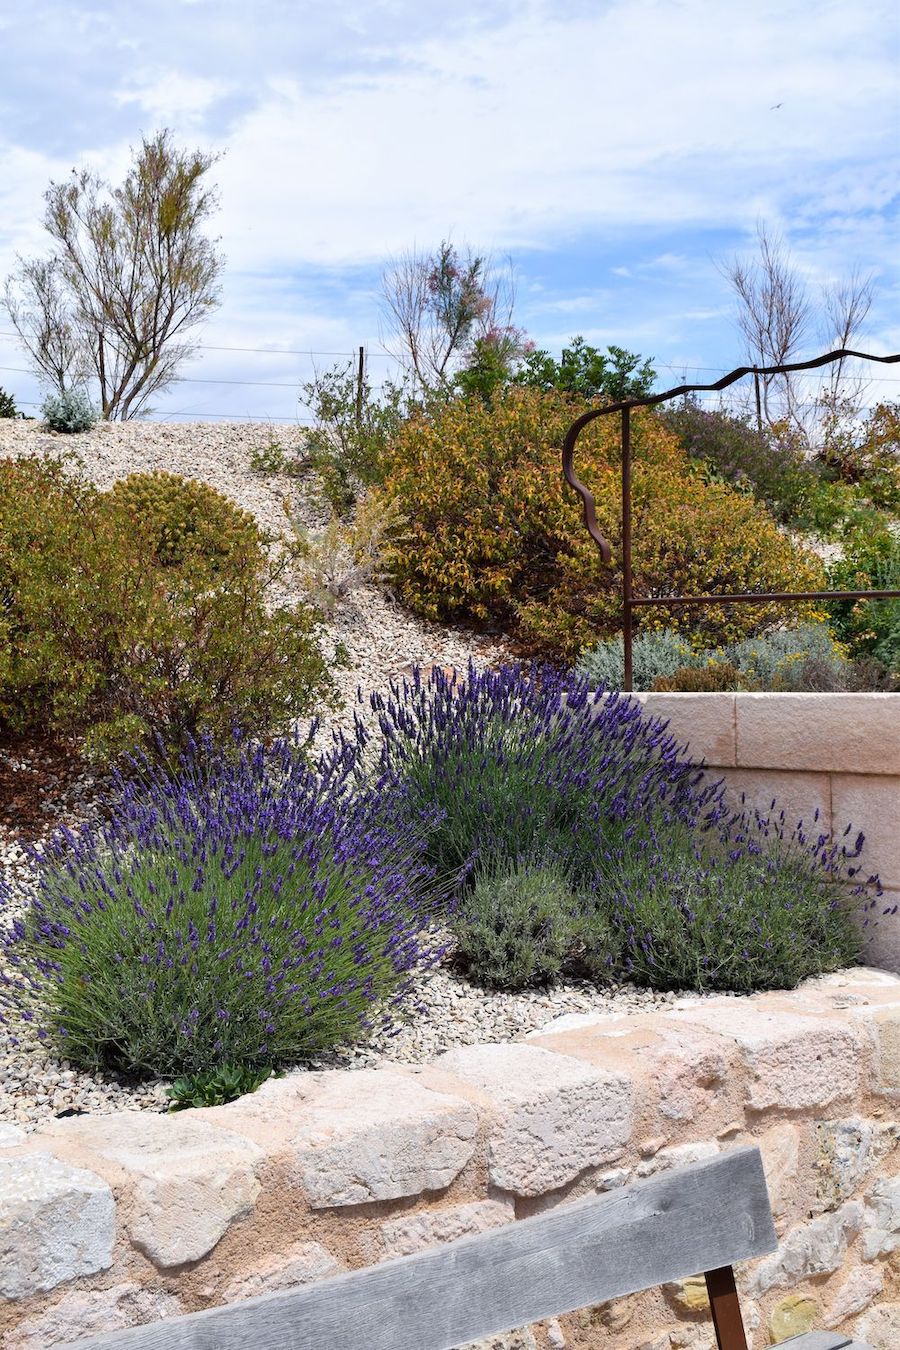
(110, 1221)
(835, 753)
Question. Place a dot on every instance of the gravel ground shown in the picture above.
(382, 639)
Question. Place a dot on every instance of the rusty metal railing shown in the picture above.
(630, 601)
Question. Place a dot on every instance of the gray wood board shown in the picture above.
(683, 1222)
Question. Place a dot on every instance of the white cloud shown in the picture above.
(169, 96)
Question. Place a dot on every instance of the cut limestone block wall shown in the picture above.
(838, 754)
(112, 1221)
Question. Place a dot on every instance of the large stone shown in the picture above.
(507, 1340)
(686, 1072)
(861, 1287)
(77, 1316)
(11, 1136)
(792, 1316)
(884, 1026)
(816, 1248)
(354, 1137)
(56, 1222)
(792, 1061)
(184, 1181)
(882, 1219)
(702, 722)
(552, 1116)
(871, 804)
(681, 1155)
(413, 1232)
(303, 1263)
(880, 1327)
(799, 795)
(780, 1149)
(831, 733)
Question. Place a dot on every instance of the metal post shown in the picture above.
(726, 1310)
(758, 399)
(627, 614)
(360, 379)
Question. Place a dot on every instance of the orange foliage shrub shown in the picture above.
(494, 533)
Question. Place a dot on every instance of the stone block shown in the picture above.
(880, 1327)
(800, 795)
(792, 1316)
(358, 1136)
(681, 1155)
(872, 805)
(77, 1316)
(685, 1073)
(816, 1248)
(792, 1061)
(780, 1149)
(414, 1232)
(551, 1116)
(704, 723)
(861, 1287)
(825, 733)
(184, 1180)
(302, 1263)
(56, 1222)
(881, 1234)
(847, 1152)
(884, 1025)
(881, 941)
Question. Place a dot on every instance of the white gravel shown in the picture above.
(382, 639)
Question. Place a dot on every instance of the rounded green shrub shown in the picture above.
(108, 644)
(517, 924)
(182, 517)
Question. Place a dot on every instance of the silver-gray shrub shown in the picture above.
(654, 654)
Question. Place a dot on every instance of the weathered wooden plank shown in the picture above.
(821, 1340)
(683, 1222)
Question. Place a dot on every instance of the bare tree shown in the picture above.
(437, 306)
(777, 315)
(130, 274)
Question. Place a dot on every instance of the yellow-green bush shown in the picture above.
(495, 535)
(182, 517)
(107, 640)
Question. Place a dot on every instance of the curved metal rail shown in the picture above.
(624, 406)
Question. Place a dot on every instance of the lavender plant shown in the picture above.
(662, 883)
(244, 909)
(530, 763)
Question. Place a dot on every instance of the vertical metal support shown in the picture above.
(725, 1308)
(758, 399)
(627, 591)
(360, 384)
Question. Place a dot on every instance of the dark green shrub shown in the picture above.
(215, 1087)
(869, 627)
(106, 644)
(7, 405)
(181, 518)
(518, 923)
(758, 908)
(739, 453)
(69, 412)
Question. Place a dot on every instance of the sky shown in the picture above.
(618, 153)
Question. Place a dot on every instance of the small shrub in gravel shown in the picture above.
(653, 654)
(519, 923)
(215, 1087)
(119, 631)
(69, 412)
(7, 405)
(244, 910)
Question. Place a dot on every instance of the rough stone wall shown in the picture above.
(111, 1221)
(838, 754)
